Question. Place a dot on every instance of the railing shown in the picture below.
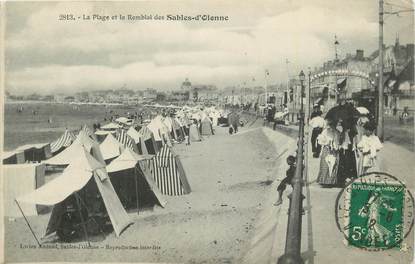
(292, 253)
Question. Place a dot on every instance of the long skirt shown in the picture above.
(347, 166)
(327, 175)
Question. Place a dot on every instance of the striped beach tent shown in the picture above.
(62, 142)
(126, 140)
(168, 173)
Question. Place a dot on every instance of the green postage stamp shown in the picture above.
(375, 212)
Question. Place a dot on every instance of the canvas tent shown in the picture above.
(21, 179)
(160, 131)
(206, 126)
(36, 152)
(13, 157)
(194, 133)
(133, 182)
(88, 132)
(168, 173)
(126, 140)
(86, 179)
(178, 130)
(110, 148)
(82, 141)
(138, 140)
(149, 141)
(62, 142)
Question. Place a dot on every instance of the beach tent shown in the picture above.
(168, 122)
(150, 143)
(36, 152)
(126, 140)
(138, 140)
(160, 131)
(88, 132)
(13, 157)
(174, 128)
(110, 148)
(206, 126)
(102, 134)
(133, 182)
(81, 143)
(194, 133)
(62, 142)
(86, 181)
(21, 179)
(178, 129)
(168, 173)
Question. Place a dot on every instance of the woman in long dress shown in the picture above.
(347, 157)
(329, 159)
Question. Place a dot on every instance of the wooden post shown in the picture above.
(27, 222)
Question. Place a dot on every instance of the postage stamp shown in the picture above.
(375, 212)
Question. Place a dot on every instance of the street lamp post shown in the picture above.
(292, 253)
(302, 78)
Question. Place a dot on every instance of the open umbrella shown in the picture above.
(347, 113)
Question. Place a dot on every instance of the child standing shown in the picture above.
(287, 180)
(367, 148)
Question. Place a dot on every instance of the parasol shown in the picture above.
(347, 113)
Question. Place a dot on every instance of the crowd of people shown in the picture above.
(346, 149)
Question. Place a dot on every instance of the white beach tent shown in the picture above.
(81, 143)
(134, 134)
(110, 147)
(160, 131)
(21, 179)
(84, 171)
(134, 165)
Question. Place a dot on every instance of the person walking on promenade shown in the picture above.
(367, 149)
(329, 139)
(287, 180)
(233, 119)
(317, 124)
(347, 157)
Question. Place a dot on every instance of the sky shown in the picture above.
(47, 55)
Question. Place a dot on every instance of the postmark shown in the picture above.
(375, 212)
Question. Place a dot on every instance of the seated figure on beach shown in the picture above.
(287, 180)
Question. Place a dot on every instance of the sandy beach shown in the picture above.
(231, 179)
